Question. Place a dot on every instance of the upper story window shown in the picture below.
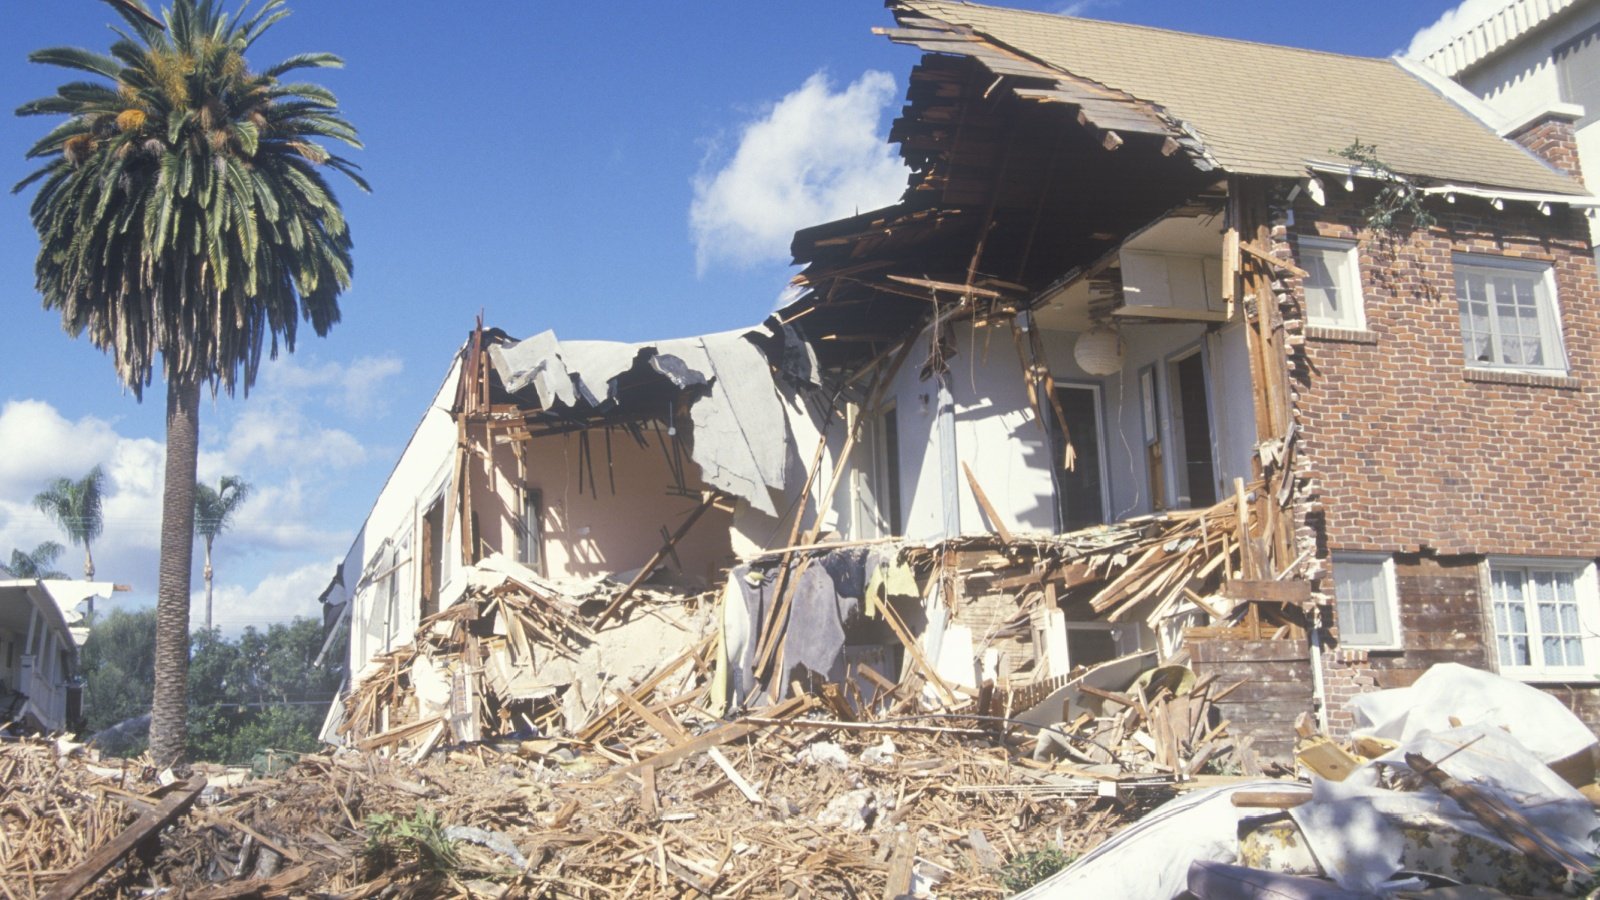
(1332, 283)
(1544, 617)
(1509, 318)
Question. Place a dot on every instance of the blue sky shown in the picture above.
(624, 170)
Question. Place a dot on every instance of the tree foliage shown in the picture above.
(39, 564)
(214, 506)
(182, 210)
(248, 694)
(76, 507)
(1396, 209)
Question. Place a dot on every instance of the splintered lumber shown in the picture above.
(90, 870)
(716, 737)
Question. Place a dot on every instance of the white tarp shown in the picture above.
(1150, 858)
(1471, 697)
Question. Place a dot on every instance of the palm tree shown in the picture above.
(183, 214)
(36, 566)
(75, 506)
(213, 507)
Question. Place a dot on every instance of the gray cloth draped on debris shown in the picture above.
(741, 438)
(828, 597)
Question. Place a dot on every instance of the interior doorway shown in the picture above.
(1195, 466)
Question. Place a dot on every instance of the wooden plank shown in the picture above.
(87, 872)
(1293, 592)
(672, 733)
(716, 737)
(745, 787)
(647, 793)
(988, 508)
(1266, 256)
(902, 862)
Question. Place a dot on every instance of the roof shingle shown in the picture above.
(1269, 110)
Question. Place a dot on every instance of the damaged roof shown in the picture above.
(1257, 109)
(734, 381)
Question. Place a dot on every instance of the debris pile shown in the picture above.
(517, 654)
(1465, 778)
(787, 808)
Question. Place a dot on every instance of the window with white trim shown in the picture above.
(1332, 283)
(1364, 586)
(1544, 613)
(1509, 318)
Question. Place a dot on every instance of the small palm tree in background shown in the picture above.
(213, 508)
(184, 217)
(36, 566)
(75, 506)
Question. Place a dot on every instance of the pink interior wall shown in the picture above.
(587, 535)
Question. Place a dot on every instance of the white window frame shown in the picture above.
(1340, 257)
(1587, 599)
(1546, 305)
(1389, 603)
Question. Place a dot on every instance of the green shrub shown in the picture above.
(1028, 869)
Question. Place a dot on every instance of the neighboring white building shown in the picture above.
(1527, 60)
(41, 628)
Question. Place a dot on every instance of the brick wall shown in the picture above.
(1407, 451)
(1441, 620)
(1410, 449)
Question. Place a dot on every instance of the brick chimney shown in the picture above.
(1551, 134)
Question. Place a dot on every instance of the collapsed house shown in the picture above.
(1141, 370)
(42, 625)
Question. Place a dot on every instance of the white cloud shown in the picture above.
(40, 444)
(1082, 7)
(276, 598)
(279, 433)
(355, 389)
(816, 155)
(1453, 22)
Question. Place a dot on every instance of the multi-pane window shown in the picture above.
(1332, 283)
(1364, 587)
(1508, 314)
(1538, 617)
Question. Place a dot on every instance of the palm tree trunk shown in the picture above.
(88, 561)
(208, 584)
(169, 732)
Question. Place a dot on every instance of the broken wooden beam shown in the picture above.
(147, 825)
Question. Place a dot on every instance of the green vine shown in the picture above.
(1397, 209)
